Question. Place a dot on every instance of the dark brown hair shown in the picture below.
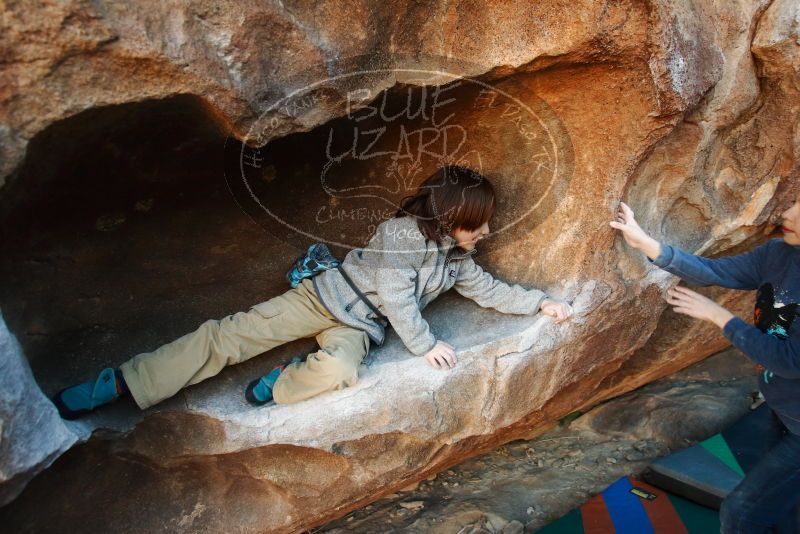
(452, 197)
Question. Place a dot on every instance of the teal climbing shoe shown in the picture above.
(75, 401)
(259, 391)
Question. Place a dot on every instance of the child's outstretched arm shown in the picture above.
(734, 272)
(474, 283)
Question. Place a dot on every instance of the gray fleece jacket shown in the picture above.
(401, 272)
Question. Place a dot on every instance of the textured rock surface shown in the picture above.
(119, 233)
(32, 434)
(532, 482)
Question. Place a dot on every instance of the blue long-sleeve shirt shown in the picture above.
(774, 342)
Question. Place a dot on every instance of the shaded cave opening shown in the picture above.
(120, 234)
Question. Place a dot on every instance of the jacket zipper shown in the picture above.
(447, 262)
(444, 275)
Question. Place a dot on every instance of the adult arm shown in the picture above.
(734, 272)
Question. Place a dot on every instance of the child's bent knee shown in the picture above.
(342, 370)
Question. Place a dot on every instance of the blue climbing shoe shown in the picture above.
(259, 391)
(75, 401)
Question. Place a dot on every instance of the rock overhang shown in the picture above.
(652, 48)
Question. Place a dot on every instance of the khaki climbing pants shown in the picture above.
(298, 313)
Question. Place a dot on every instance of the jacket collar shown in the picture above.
(448, 247)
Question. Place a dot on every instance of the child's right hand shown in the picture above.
(441, 356)
(560, 311)
(633, 233)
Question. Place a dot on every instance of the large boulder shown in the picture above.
(128, 219)
(32, 434)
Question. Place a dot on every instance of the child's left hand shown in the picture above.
(561, 311)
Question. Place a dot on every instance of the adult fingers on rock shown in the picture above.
(626, 210)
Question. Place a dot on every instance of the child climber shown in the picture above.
(770, 492)
(411, 259)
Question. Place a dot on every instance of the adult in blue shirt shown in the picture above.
(768, 495)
